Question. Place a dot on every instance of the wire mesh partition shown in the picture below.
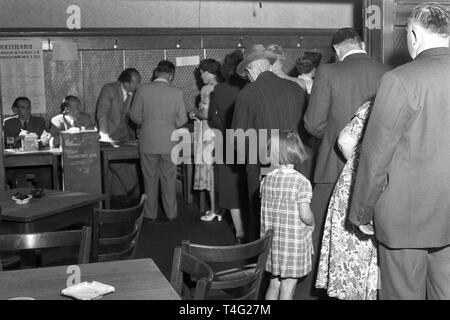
(94, 68)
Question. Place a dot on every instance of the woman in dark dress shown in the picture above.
(231, 188)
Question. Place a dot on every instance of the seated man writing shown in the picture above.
(24, 123)
(71, 116)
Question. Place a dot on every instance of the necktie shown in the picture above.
(25, 125)
(126, 103)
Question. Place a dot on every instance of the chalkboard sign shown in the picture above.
(81, 162)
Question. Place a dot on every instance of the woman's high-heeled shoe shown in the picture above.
(210, 216)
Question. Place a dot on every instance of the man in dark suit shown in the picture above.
(159, 109)
(403, 177)
(339, 89)
(17, 126)
(113, 106)
(268, 102)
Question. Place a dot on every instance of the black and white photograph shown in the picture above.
(223, 151)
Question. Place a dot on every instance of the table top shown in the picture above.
(138, 279)
(16, 152)
(53, 202)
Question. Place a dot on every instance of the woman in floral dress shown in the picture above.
(348, 259)
(204, 171)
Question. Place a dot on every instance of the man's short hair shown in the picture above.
(67, 99)
(433, 17)
(346, 35)
(165, 66)
(16, 102)
(126, 75)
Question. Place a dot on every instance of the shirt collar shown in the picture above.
(124, 92)
(353, 52)
(161, 80)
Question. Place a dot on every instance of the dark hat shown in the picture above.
(256, 52)
(345, 34)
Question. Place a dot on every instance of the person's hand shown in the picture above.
(104, 136)
(192, 116)
(45, 137)
(367, 229)
(22, 134)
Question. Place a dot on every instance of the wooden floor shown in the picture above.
(157, 240)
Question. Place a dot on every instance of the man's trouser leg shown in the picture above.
(319, 206)
(168, 176)
(150, 170)
(254, 214)
(414, 274)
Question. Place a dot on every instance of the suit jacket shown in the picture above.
(159, 108)
(270, 102)
(12, 127)
(60, 123)
(406, 153)
(339, 89)
(112, 115)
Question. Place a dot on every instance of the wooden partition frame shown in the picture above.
(383, 43)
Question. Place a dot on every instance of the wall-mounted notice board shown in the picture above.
(81, 162)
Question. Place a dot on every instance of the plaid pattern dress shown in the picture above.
(281, 192)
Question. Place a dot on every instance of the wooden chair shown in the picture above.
(187, 268)
(116, 232)
(240, 282)
(47, 240)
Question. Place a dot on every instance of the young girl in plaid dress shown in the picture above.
(285, 208)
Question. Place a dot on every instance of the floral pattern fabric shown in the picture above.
(348, 258)
(204, 146)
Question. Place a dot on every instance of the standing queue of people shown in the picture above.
(357, 186)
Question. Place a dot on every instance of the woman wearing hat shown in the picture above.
(204, 173)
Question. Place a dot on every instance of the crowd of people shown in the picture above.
(356, 190)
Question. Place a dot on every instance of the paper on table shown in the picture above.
(87, 290)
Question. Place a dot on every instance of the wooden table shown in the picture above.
(55, 210)
(138, 279)
(109, 152)
(49, 157)
(130, 151)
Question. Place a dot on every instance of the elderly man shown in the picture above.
(268, 102)
(339, 89)
(113, 105)
(278, 65)
(159, 109)
(403, 177)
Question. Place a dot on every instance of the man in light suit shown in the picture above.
(113, 105)
(403, 177)
(339, 89)
(159, 109)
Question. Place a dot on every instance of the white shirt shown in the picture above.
(125, 92)
(161, 80)
(353, 52)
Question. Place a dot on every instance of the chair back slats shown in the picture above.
(47, 240)
(246, 277)
(109, 247)
(119, 240)
(226, 253)
(118, 255)
(183, 265)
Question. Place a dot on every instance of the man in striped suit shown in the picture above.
(268, 102)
